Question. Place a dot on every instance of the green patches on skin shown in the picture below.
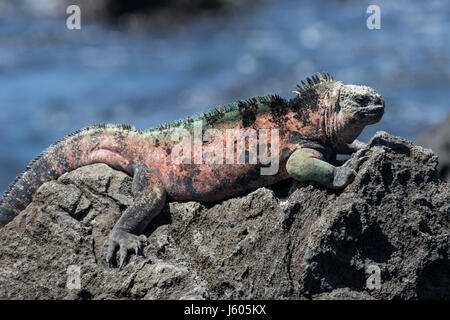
(303, 166)
(245, 111)
(316, 82)
(213, 117)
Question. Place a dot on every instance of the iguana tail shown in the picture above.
(97, 144)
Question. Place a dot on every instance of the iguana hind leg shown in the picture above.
(308, 165)
(149, 199)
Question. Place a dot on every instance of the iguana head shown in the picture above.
(356, 107)
(345, 109)
(360, 103)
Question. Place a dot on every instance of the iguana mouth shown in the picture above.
(372, 113)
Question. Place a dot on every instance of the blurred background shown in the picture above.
(147, 62)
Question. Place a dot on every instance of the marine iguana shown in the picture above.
(322, 120)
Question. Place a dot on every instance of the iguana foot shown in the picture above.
(345, 174)
(342, 176)
(124, 242)
(149, 199)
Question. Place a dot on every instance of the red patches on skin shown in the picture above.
(212, 182)
(113, 159)
(118, 150)
(206, 182)
(58, 167)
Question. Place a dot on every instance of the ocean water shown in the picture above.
(54, 80)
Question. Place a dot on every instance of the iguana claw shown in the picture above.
(124, 242)
(355, 161)
(344, 175)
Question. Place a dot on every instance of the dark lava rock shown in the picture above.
(390, 224)
(438, 139)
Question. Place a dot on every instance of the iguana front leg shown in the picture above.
(149, 199)
(308, 165)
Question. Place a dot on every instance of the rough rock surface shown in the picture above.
(290, 241)
(438, 139)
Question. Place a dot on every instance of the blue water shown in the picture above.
(54, 80)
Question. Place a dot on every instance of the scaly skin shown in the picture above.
(323, 119)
